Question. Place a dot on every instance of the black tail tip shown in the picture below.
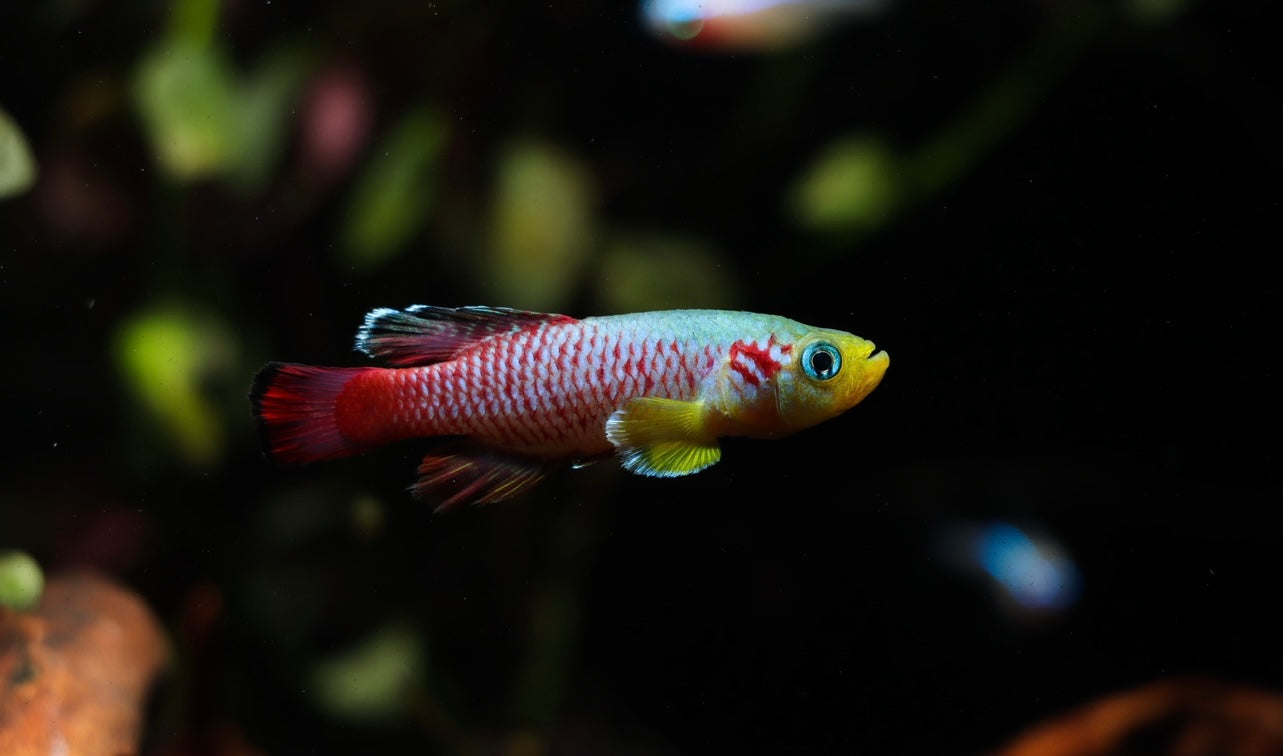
(263, 381)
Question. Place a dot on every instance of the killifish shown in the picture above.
(511, 394)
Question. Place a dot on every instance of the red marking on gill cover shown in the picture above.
(761, 356)
(296, 409)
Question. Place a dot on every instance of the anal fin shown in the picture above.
(662, 437)
(474, 477)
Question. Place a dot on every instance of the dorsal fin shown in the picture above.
(423, 334)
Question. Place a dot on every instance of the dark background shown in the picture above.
(1073, 274)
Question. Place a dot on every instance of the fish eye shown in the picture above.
(821, 361)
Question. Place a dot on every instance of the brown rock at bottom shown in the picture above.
(75, 671)
(1183, 717)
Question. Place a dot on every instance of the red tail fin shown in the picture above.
(294, 406)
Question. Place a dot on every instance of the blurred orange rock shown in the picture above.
(75, 671)
(1184, 717)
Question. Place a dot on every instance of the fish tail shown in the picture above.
(295, 406)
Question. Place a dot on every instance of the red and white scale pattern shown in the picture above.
(549, 389)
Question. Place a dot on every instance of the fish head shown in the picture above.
(827, 373)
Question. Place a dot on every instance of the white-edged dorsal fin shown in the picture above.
(423, 334)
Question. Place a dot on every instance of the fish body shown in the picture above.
(518, 392)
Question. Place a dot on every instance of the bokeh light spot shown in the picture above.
(1035, 574)
(17, 165)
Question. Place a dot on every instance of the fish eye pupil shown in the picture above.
(821, 361)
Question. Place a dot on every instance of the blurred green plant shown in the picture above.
(374, 680)
(185, 94)
(859, 182)
(263, 102)
(166, 356)
(21, 581)
(395, 194)
(201, 118)
(852, 185)
(17, 164)
(542, 226)
(655, 270)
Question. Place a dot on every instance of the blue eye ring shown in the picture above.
(821, 361)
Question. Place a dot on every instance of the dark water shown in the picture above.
(1063, 233)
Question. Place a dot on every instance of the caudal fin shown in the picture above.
(295, 408)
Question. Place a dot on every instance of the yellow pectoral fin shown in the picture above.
(662, 437)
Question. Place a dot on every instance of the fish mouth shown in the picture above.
(867, 352)
(874, 367)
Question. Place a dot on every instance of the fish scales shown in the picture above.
(562, 401)
(529, 390)
(557, 371)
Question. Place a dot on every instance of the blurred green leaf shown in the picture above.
(165, 355)
(947, 156)
(999, 109)
(194, 20)
(542, 227)
(655, 271)
(17, 164)
(202, 120)
(21, 581)
(851, 186)
(372, 681)
(262, 118)
(859, 182)
(396, 192)
(185, 92)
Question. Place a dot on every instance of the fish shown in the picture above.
(509, 395)
(751, 25)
